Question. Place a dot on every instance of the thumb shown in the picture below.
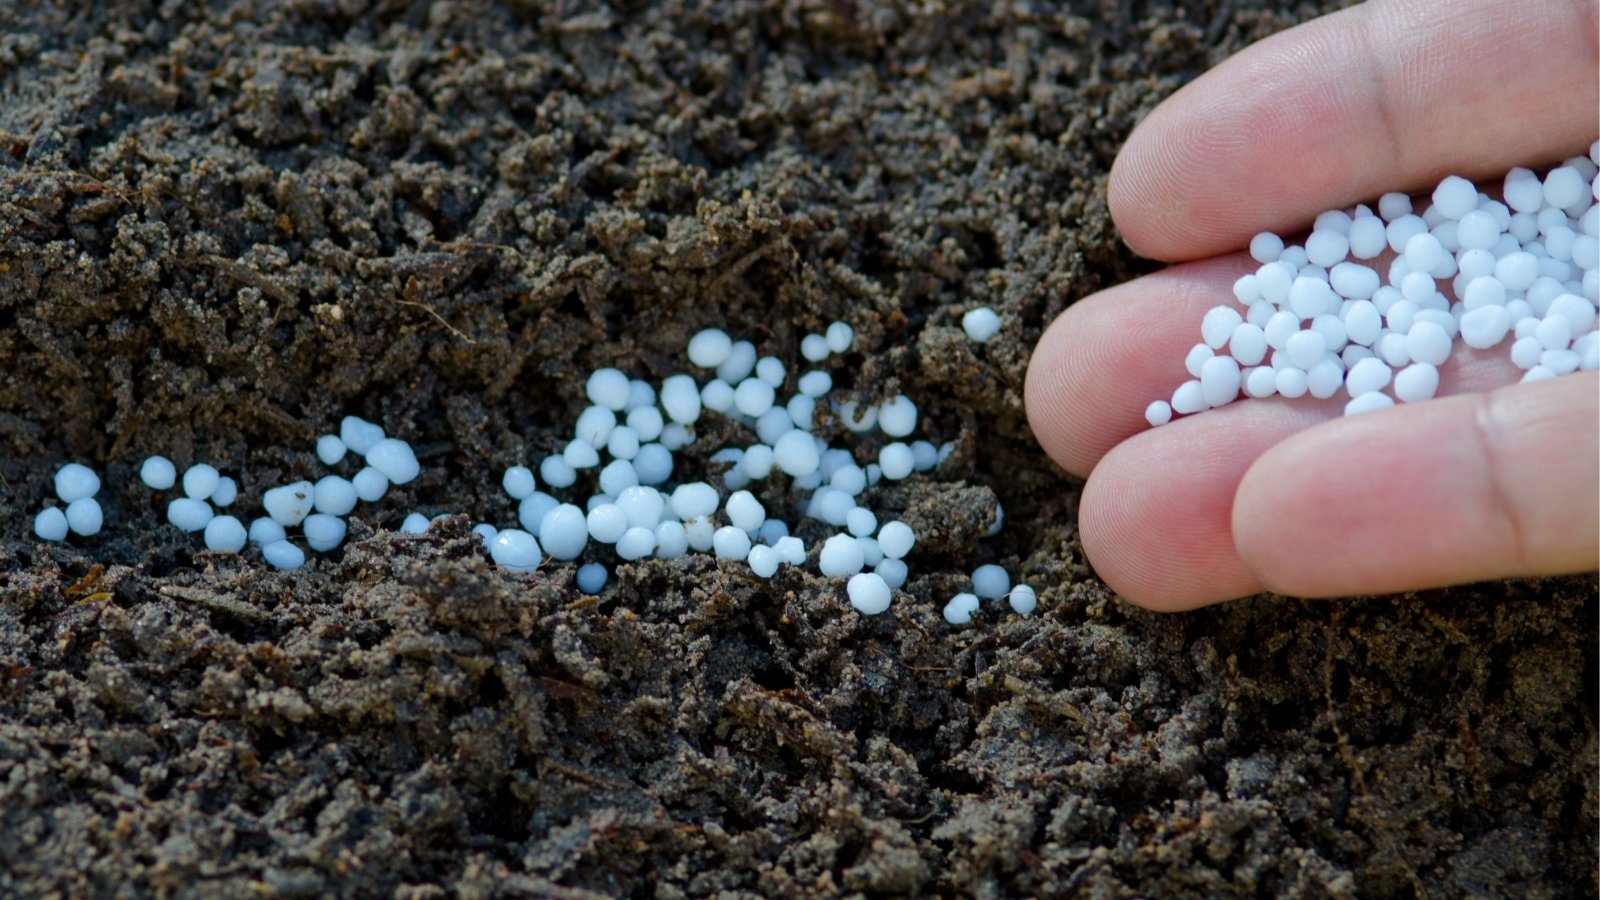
(1460, 489)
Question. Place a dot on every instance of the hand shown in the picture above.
(1287, 495)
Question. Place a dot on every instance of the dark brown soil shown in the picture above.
(224, 225)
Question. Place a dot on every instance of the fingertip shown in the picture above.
(1451, 491)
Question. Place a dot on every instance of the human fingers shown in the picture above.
(1460, 489)
(1388, 95)
(1107, 356)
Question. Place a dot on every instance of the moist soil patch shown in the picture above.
(225, 225)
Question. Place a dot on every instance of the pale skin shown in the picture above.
(1492, 480)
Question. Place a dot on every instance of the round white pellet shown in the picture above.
(1362, 323)
(796, 454)
(775, 423)
(840, 336)
(1455, 197)
(672, 540)
(1261, 382)
(861, 521)
(741, 362)
(832, 506)
(791, 550)
(640, 394)
(1353, 354)
(1402, 230)
(1477, 230)
(1327, 248)
(225, 534)
(1305, 348)
(1332, 330)
(893, 572)
(358, 434)
(897, 461)
(1279, 329)
(1159, 412)
(1189, 398)
(898, 416)
(757, 461)
(1220, 380)
(1525, 352)
(563, 532)
(1416, 383)
(1564, 186)
(646, 422)
(227, 491)
(518, 482)
(51, 524)
(394, 458)
(415, 523)
(554, 471)
(1423, 252)
(1579, 313)
(717, 396)
(1485, 326)
(709, 348)
(608, 388)
(1274, 280)
(591, 577)
(1483, 291)
(771, 530)
(960, 608)
(288, 504)
(841, 555)
(85, 517)
(753, 397)
(1393, 205)
(1311, 297)
(642, 506)
(816, 383)
(745, 512)
(814, 347)
(869, 593)
(1560, 362)
(370, 485)
(606, 523)
(330, 449)
(896, 539)
(158, 473)
(636, 543)
(1554, 332)
(680, 397)
(323, 532)
(1537, 373)
(1367, 376)
(1023, 599)
(264, 531)
(770, 369)
(763, 561)
(75, 481)
(1356, 282)
(618, 476)
(1517, 271)
(1368, 403)
(858, 418)
(1523, 191)
(653, 464)
(981, 324)
(1367, 237)
(283, 555)
(990, 582)
(190, 515)
(595, 424)
(852, 479)
(1266, 247)
(731, 543)
(695, 499)
(1247, 290)
(623, 443)
(333, 495)
(1292, 382)
(1325, 378)
(1196, 358)
(1217, 325)
(1428, 342)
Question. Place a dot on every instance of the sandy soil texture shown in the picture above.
(224, 225)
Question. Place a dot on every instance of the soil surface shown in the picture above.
(224, 225)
